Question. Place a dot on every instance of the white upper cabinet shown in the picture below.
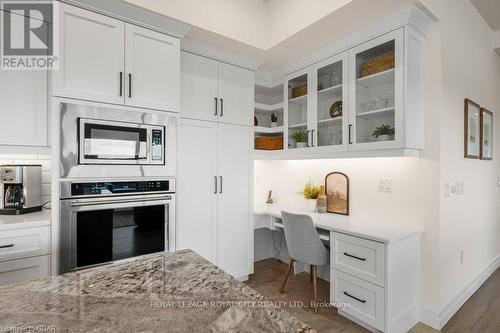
(236, 94)
(216, 91)
(92, 56)
(199, 91)
(331, 102)
(367, 98)
(23, 115)
(152, 69)
(376, 85)
(107, 60)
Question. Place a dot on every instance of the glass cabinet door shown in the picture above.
(297, 121)
(375, 76)
(330, 115)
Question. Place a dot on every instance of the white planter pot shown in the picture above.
(274, 124)
(385, 138)
(301, 145)
(312, 204)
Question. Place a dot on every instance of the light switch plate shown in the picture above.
(385, 185)
(460, 188)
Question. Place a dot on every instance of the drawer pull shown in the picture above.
(353, 256)
(6, 246)
(354, 297)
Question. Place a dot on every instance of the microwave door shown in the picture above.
(107, 142)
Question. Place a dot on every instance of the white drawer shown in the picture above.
(359, 257)
(365, 300)
(24, 269)
(24, 243)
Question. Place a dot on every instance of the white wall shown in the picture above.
(242, 20)
(471, 222)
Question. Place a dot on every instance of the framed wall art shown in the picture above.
(472, 131)
(486, 141)
(337, 193)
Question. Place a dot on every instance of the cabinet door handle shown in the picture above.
(221, 107)
(6, 246)
(215, 184)
(354, 297)
(350, 136)
(312, 138)
(353, 256)
(121, 83)
(220, 189)
(129, 85)
(215, 99)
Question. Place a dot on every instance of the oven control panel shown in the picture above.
(114, 188)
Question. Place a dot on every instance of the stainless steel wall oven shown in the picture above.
(103, 221)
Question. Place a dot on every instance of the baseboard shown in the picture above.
(438, 321)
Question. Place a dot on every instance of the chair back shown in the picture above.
(302, 239)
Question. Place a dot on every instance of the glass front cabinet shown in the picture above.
(366, 98)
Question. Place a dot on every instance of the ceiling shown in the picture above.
(273, 31)
(490, 10)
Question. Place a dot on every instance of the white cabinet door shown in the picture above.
(198, 87)
(235, 199)
(92, 56)
(236, 93)
(376, 94)
(23, 121)
(152, 68)
(196, 188)
(24, 269)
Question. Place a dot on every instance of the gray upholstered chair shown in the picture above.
(304, 245)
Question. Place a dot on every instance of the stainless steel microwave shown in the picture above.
(98, 141)
(113, 142)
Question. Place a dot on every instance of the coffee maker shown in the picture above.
(20, 189)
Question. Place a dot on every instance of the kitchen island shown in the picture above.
(168, 292)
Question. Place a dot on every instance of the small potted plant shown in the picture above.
(300, 138)
(274, 120)
(384, 132)
(311, 194)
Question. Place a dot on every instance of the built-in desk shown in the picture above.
(374, 267)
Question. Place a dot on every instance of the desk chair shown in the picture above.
(304, 245)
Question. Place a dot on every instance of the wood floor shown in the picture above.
(481, 313)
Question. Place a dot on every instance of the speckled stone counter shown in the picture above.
(171, 292)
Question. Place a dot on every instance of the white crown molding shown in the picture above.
(210, 51)
(438, 320)
(416, 16)
(134, 14)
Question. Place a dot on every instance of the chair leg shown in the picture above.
(315, 286)
(287, 274)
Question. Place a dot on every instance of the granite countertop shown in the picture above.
(168, 292)
(374, 230)
(31, 220)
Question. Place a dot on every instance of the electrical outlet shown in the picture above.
(461, 256)
(385, 185)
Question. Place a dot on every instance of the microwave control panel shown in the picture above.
(157, 145)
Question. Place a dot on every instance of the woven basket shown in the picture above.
(298, 91)
(269, 143)
(379, 64)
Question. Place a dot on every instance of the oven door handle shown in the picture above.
(120, 201)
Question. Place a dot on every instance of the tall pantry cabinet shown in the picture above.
(215, 163)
